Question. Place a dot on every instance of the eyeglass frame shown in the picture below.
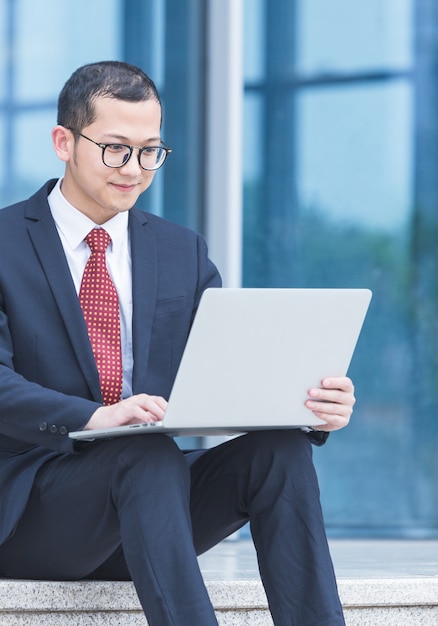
(104, 146)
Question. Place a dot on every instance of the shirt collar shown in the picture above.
(75, 226)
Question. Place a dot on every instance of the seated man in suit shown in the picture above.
(96, 302)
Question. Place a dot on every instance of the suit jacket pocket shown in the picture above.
(174, 305)
(170, 330)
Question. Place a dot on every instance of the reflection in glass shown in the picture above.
(344, 195)
(355, 153)
(346, 36)
(31, 169)
(77, 38)
(254, 39)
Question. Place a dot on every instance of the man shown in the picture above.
(135, 507)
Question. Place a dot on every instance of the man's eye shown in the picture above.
(116, 147)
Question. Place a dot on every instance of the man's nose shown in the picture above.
(132, 164)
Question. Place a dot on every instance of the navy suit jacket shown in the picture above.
(49, 383)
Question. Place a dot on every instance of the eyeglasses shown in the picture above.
(118, 154)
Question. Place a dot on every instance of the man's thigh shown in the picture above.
(71, 528)
(226, 479)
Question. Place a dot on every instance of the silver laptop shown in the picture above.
(252, 355)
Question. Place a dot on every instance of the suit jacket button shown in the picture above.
(43, 427)
(53, 429)
(63, 430)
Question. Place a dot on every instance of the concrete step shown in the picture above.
(367, 602)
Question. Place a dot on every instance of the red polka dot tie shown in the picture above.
(100, 306)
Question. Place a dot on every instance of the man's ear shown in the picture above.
(63, 142)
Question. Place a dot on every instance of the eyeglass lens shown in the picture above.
(116, 155)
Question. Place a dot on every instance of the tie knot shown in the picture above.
(98, 240)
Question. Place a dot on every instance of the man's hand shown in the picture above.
(138, 409)
(333, 403)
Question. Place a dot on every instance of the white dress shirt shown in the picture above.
(73, 226)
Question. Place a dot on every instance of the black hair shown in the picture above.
(109, 79)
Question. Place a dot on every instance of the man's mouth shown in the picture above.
(123, 187)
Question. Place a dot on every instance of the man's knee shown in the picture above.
(291, 445)
(147, 457)
(277, 457)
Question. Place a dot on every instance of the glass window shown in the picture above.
(4, 52)
(339, 191)
(345, 36)
(45, 56)
(34, 156)
(254, 39)
(355, 153)
(253, 152)
(3, 162)
(254, 208)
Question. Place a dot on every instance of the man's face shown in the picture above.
(89, 185)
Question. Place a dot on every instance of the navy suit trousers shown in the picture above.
(138, 508)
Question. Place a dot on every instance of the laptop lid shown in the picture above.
(252, 355)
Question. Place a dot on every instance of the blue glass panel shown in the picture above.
(354, 148)
(346, 36)
(2, 134)
(35, 160)
(344, 195)
(254, 154)
(66, 38)
(4, 52)
(144, 37)
(253, 143)
(254, 39)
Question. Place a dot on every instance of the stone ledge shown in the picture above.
(389, 592)
(367, 602)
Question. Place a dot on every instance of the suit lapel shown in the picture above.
(47, 244)
(144, 293)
